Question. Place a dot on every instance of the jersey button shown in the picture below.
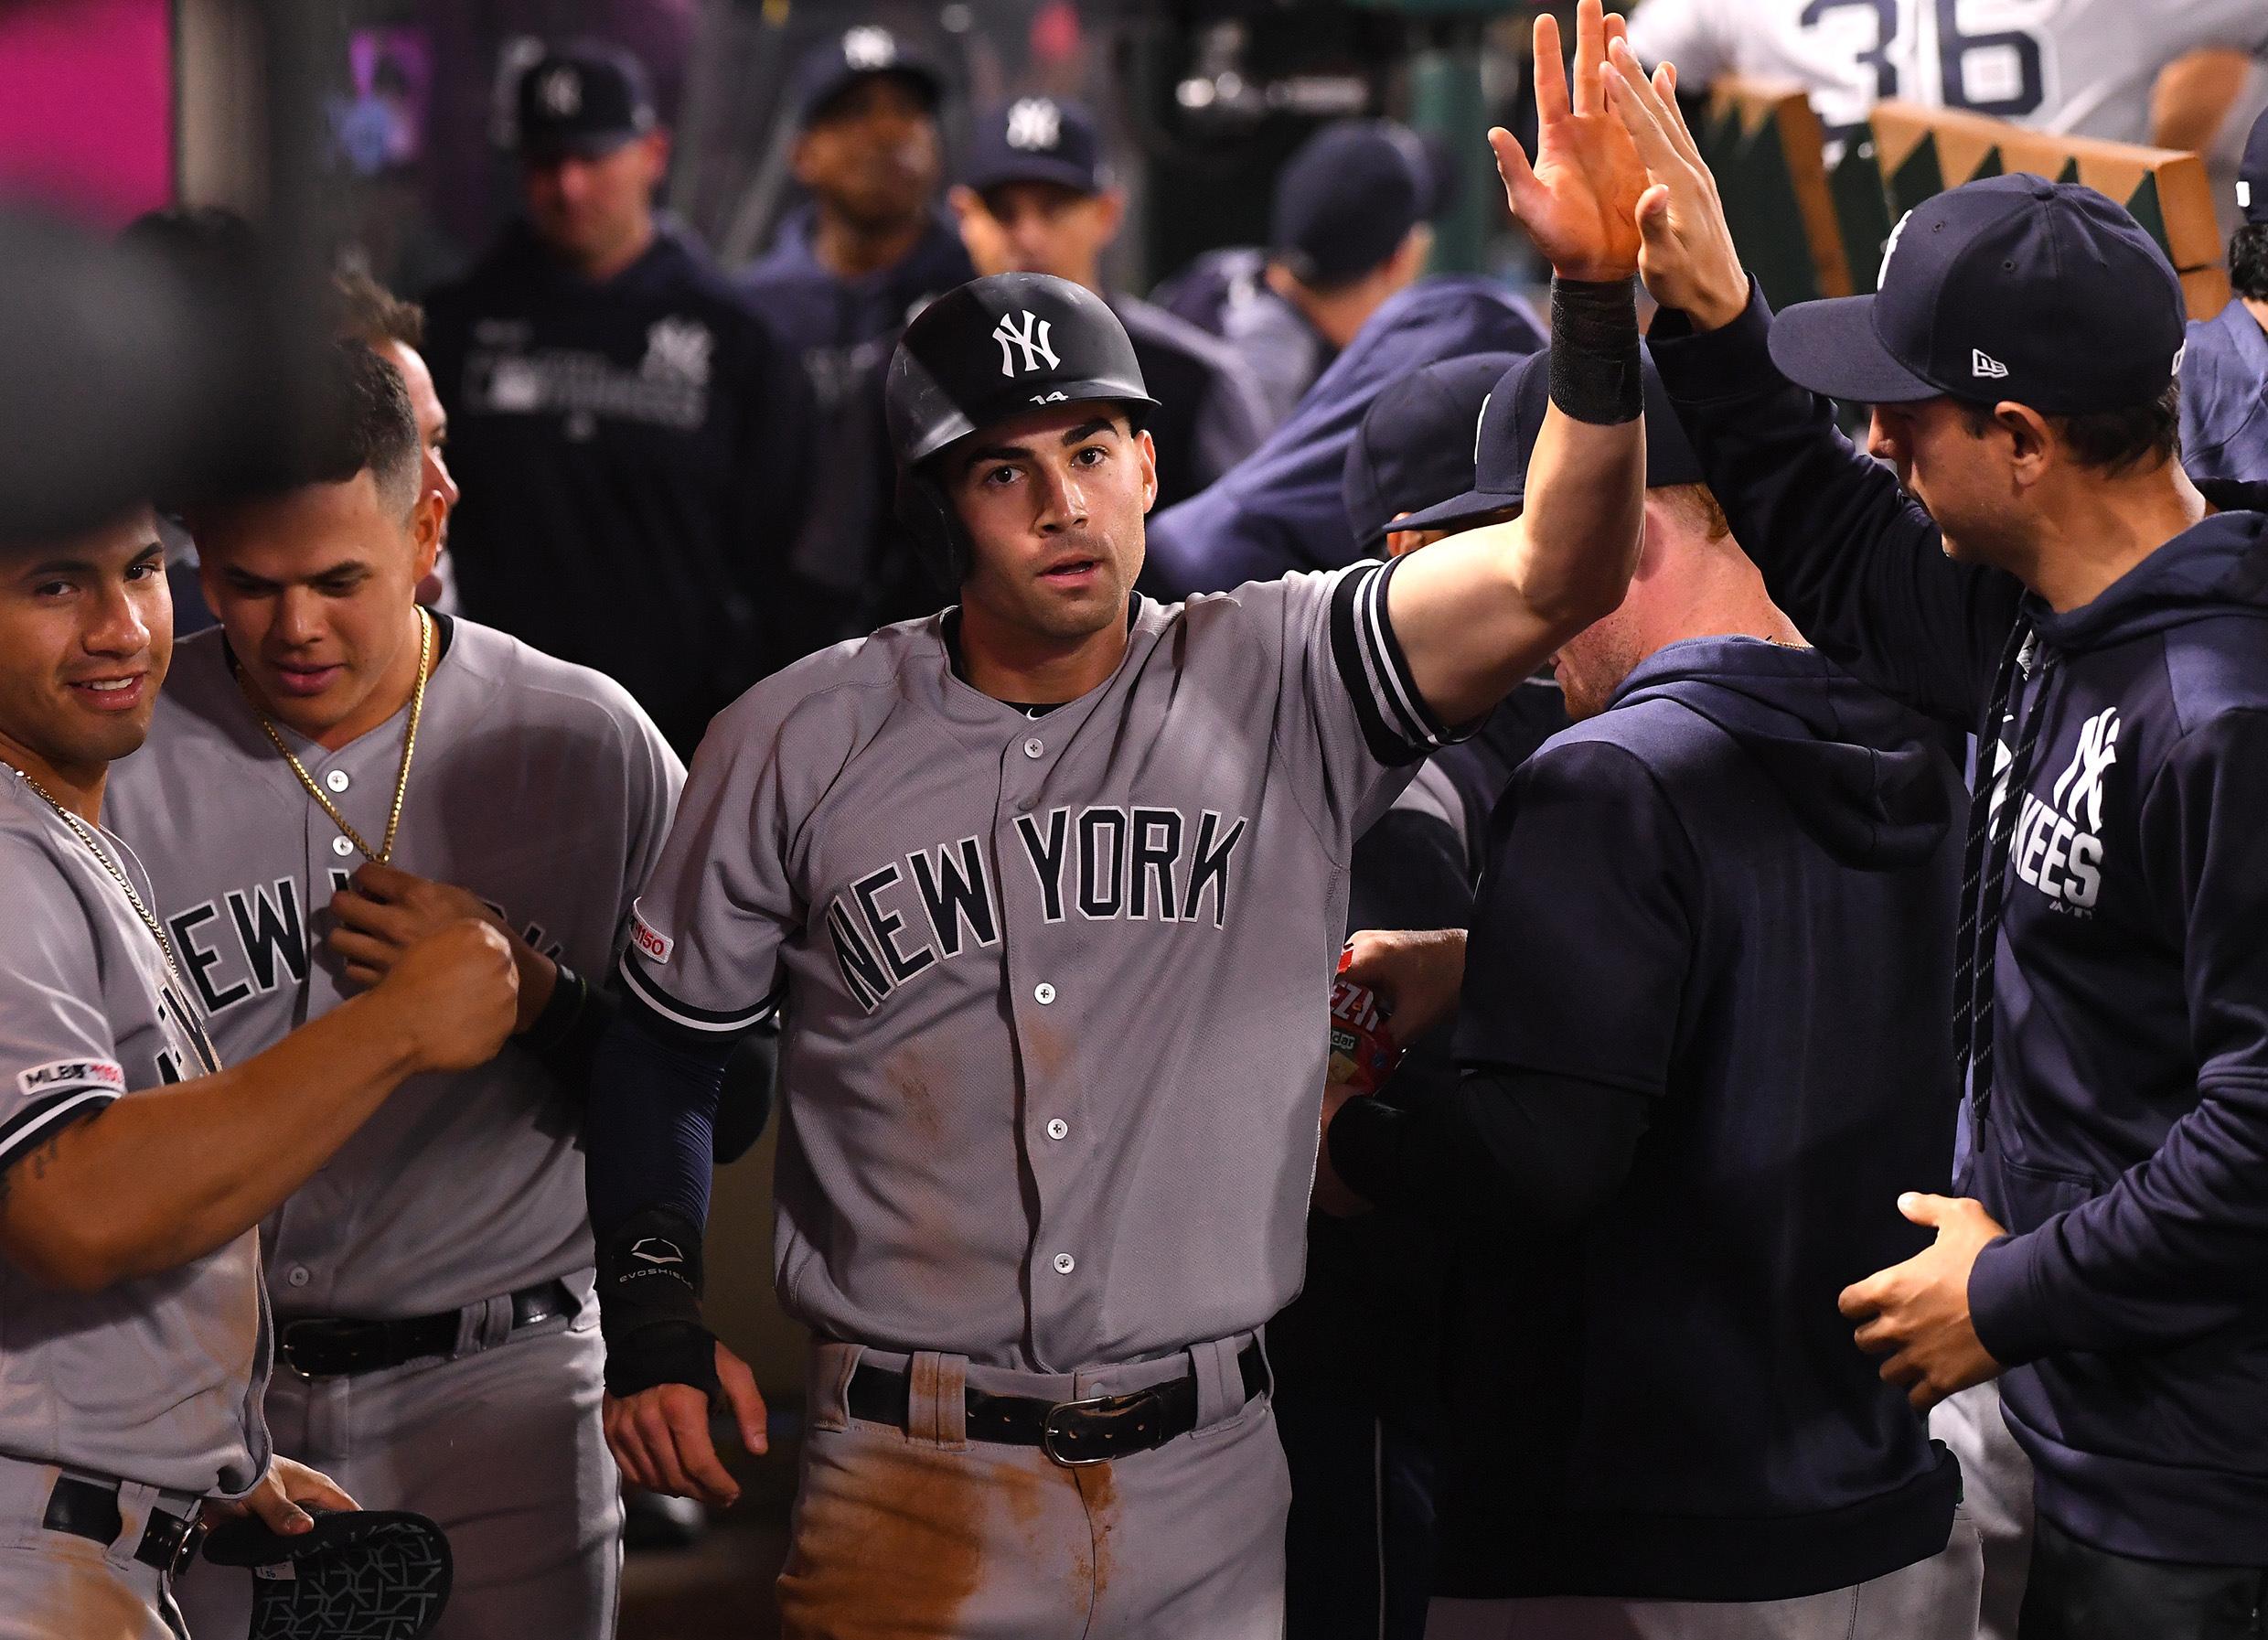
(1034, 746)
(1066, 1264)
(341, 847)
(1043, 993)
(337, 780)
(298, 1277)
(1058, 1129)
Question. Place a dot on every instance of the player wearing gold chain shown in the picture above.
(133, 1168)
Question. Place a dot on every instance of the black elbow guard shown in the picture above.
(649, 1307)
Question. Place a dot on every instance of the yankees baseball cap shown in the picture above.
(586, 99)
(2043, 293)
(1414, 448)
(1038, 139)
(1514, 419)
(2253, 173)
(836, 64)
(1348, 197)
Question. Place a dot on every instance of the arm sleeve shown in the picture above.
(652, 1124)
(2178, 1245)
(1503, 1148)
(1856, 564)
(58, 1060)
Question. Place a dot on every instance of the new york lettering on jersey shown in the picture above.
(1078, 962)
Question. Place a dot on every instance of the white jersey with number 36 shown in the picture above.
(2080, 65)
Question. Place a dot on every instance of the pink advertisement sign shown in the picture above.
(86, 104)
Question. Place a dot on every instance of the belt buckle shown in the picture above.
(311, 1331)
(1109, 1413)
(176, 1540)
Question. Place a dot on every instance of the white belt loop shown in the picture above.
(833, 1363)
(482, 1326)
(937, 1399)
(1220, 1386)
(135, 1501)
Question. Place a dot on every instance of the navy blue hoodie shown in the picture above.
(1725, 895)
(631, 455)
(2125, 1143)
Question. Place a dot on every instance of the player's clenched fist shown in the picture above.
(1579, 200)
(459, 991)
(1688, 262)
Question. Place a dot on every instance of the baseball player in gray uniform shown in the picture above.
(1052, 886)
(330, 773)
(133, 1334)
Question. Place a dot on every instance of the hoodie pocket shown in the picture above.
(2035, 1194)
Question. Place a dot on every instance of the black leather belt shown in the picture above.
(318, 1346)
(89, 1509)
(1072, 1433)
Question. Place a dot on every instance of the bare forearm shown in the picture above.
(166, 1175)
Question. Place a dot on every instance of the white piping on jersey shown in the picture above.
(45, 1122)
(661, 1004)
(1370, 611)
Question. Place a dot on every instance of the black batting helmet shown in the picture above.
(981, 353)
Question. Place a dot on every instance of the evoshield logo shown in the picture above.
(1035, 339)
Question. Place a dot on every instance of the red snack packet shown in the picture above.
(1363, 1050)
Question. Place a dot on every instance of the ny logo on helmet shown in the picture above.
(1035, 341)
(869, 48)
(1034, 124)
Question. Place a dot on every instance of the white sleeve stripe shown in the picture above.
(1400, 690)
(44, 1117)
(684, 1015)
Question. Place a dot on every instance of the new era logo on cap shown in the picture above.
(561, 91)
(1034, 124)
(1982, 363)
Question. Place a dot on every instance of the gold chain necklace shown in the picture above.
(88, 836)
(384, 851)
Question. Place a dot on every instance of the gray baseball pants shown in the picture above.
(1996, 1491)
(920, 1534)
(1931, 1600)
(502, 1447)
(54, 1584)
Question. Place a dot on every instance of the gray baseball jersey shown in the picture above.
(157, 1379)
(1055, 1039)
(538, 786)
(2080, 65)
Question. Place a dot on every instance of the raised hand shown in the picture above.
(1688, 260)
(1579, 199)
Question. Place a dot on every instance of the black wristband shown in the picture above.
(561, 1009)
(650, 1306)
(1594, 351)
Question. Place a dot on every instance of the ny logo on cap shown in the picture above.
(1479, 425)
(1982, 363)
(1036, 123)
(869, 48)
(1034, 339)
(561, 92)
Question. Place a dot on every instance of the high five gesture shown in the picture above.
(1579, 200)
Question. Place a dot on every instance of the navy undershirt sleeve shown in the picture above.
(651, 1127)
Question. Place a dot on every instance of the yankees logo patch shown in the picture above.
(2057, 848)
(1034, 124)
(62, 1074)
(1035, 339)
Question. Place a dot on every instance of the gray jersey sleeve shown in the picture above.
(58, 1062)
(653, 780)
(705, 931)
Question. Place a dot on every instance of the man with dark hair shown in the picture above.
(844, 275)
(134, 1169)
(630, 438)
(2224, 366)
(2046, 574)
(1347, 229)
(430, 1284)
(395, 330)
(1038, 199)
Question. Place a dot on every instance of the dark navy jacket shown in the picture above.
(850, 568)
(631, 455)
(2224, 398)
(2126, 1143)
(1283, 508)
(1726, 895)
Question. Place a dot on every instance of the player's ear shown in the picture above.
(1148, 446)
(425, 521)
(2032, 445)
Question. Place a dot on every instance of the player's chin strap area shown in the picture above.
(649, 1275)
